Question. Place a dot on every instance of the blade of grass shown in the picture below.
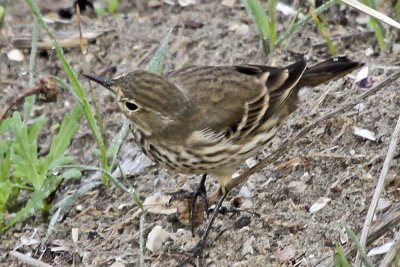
(112, 6)
(2, 14)
(76, 86)
(265, 29)
(129, 191)
(272, 23)
(117, 141)
(377, 27)
(289, 33)
(360, 248)
(340, 258)
(155, 64)
(323, 31)
(141, 239)
(30, 100)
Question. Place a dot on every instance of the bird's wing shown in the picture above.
(232, 100)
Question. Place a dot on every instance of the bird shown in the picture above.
(209, 119)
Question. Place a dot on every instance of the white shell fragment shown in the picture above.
(380, 250)
(247, 248)
(364, 133)
(245, 192)
(321, 203)
(285, 254)
(383, 204)
(184, 3)
(362, 74)
(15, 55)
(75, 234)
(239, 28)
(117, 264)
(156, 238)
(228, 3)
(285, 9)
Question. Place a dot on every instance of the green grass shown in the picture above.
(377, 27)
(266, 24)
(2, 15)
(112, 6)
(76, 87)
(397, 10)
(324, 32)
(340, 259)
(22, 169)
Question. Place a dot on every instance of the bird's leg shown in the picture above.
(201, 190)
(198, 248)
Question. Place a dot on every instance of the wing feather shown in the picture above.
(241, 97)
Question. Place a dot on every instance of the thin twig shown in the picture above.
(141, 239)
(28, 259)
(379, 188)
(30, 92)
(47, 87)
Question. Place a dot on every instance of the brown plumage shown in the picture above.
(209, 119)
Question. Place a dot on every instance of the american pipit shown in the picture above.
(209, 119)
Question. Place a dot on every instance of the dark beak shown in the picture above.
(106, 82)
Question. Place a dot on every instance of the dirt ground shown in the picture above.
(330, 162)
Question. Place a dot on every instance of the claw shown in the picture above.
(202, 192)
(197, 250)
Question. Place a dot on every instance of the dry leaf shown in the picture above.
(159, 204)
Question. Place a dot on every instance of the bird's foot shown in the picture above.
(189, 211)
(197, 250)
(202, 192)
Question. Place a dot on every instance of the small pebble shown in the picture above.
(248, 246)
(242, 222)
(156, 239)
(15, 55)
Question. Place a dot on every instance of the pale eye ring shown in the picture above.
(131, 106)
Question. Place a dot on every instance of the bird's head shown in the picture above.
(149, 101)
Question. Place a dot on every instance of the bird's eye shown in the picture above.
(131, 106)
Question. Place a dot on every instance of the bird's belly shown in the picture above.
(204, 160)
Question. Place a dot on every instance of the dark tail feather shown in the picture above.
(329, 69)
